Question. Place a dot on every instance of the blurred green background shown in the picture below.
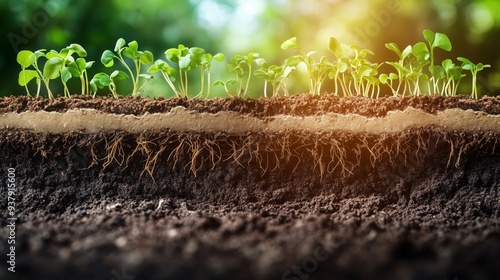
(238, 27)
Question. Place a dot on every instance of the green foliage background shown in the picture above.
(238, 27)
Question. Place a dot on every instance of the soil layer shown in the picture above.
(423, 203)
(296, 105)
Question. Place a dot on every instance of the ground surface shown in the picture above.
(423, 204)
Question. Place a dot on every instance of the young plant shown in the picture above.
(453, 75)
(241, 65)
(425, 52)
(474, 69)
(226, 85)
(351, 60)
(317, 71)
(274, 74)
(139, 58)
(186, 59)
(102, 80)
(62, 64)
(30, 59)
(402, 67)
(169, 74)
(205, 65)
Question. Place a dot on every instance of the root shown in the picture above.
(114, 151)
(329, 154)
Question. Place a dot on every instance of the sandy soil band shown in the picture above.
(180, 119)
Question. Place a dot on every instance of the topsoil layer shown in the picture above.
(296, 105)
(419, 204)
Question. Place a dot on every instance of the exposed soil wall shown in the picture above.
(416, 203)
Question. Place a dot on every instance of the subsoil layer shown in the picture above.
(420, 204)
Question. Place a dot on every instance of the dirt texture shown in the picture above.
(296, 105)
(419, 204)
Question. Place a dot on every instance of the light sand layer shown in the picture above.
(180, 119)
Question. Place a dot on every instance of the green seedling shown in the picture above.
(62, 64)
(317, 71)
(402, 69)
(205, 65)
(241, 65)
(453, 75)
(58, 65)
(226, 86)
(425, 52)
(102, 80)
(356, 74)
(186, 59)
(30, 59)
(169, 73)
(139, 58)
(474, 69)
(276, 75)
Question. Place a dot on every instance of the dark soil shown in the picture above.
(299, 105)
(422, 204)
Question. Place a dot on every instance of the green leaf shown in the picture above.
(26, 58)
(384, 79)
(78, 49)
(421, 52)
(146, 76)
(429, 36)
(54, 54)
(406, 52)
(197, 51)
(89, 64)
(464, 60)
(118, 75)
(132, 50)
(74, 68)
(261, 62)
(146, 58)
(185, 62)
(335, 47)
(290, 43)
(65, 74)
(294, 60)
(218, 83)
(120, 43)
(107, 58)
(25, 76)
(442, 41)
(447, 64)
(251, 56)
(219, 57)
(134, 46)
(52, 68)
(288, 70)
(100, 80)
(40, 53)
(172, 55)
(206, 60)
(81, 64)
(393, 47)
(437, 71)
(261, 73)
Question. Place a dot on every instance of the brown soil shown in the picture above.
(419, 204)
(296, 105)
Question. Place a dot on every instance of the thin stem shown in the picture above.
(249, 76)
(129, 70)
